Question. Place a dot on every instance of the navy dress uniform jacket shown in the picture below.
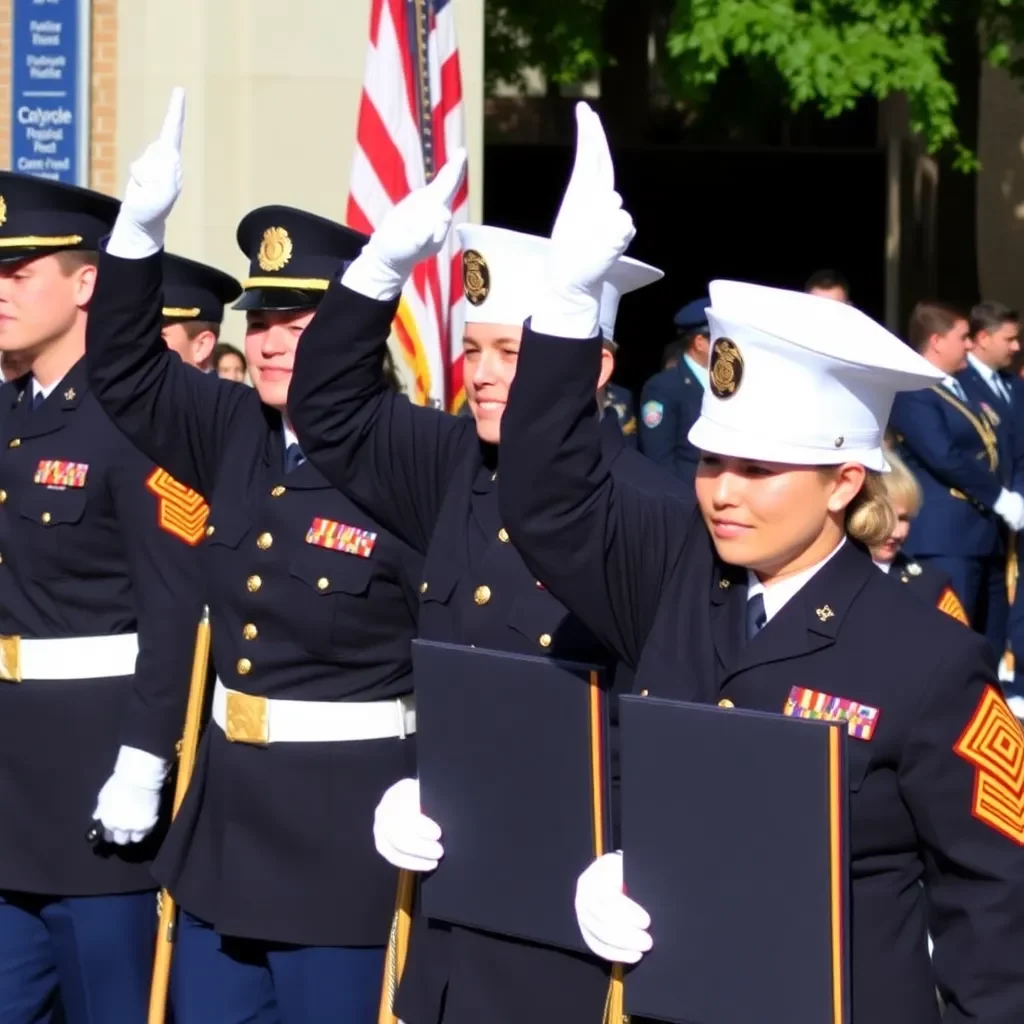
(272, 842)
(84, 557)
(928, 582)
(644, 575)
(951, 448)
(428, 478)
(669, 405)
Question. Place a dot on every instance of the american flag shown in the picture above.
(410, 118)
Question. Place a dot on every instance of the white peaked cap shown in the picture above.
(503, 273)
(800, 379)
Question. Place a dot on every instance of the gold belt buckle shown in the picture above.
(247, 719)
(10, 659)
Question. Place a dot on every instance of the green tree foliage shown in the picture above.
(827, 53)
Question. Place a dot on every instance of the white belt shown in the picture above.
(262, 720)
(68, 657)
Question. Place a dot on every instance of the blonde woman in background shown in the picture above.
(925, 580)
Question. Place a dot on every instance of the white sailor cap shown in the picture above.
(800, 379)
(504, 271)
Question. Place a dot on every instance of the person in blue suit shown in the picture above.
(670, 401)
(988, 380)
(950, 444)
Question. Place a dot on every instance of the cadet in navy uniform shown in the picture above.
(950, 445)
(924, 579)
(670, 400)
(434, 479)
(99, 602)
(791, 431)
(286, 905)
(194, 299)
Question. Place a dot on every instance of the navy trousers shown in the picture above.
(79, 959)
(245, 981)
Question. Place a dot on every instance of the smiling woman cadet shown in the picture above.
(434, 479)
(787, 495)
(287, 906)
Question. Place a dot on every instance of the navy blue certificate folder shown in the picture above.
(512, 762)
(734, 834)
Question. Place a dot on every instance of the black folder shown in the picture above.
(734, 833)
(512, 763)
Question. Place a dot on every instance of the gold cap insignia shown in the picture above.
(275, 249)
(726, 369)
(3, 211)
(476, 277)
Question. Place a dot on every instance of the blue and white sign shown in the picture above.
(50, 89)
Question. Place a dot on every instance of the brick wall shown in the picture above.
(103, 155)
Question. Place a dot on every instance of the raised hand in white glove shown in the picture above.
(129, 802)
(1010, 507)
(613, 926)
(411, 231)
(154, 184)
(591, 232)
(403, 834)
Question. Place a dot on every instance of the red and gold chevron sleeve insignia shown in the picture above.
(950, 604)
(180, 510)
(993, 743)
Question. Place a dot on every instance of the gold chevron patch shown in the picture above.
(181, 511)
(950, 604)
(993, 743)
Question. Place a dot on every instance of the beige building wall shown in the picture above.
(272, 100)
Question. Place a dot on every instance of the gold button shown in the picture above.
(644, 693)
(210, 530)
(503, 535)
(244, 666)
(15, 442)
(3, 497)
(726, 703)
(253, 583)
(423, 587)
(1, 559)
(278, 491)
(249, 631)
(46, 517)
(482, 595)
(545, 640)
(323, 583)
(263, 541)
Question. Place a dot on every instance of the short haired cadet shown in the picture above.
(671, 399)
(99, 602)
(762, 595)
(285, 906)
(194, 298)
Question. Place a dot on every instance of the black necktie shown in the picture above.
(293, 457)
(37, 400)
(756, 615)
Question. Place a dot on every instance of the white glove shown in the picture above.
(1010, 507)
(591, 232)
(403, 834)
(613, 926)
(411, 231)
(129, 802)
(154, 184)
